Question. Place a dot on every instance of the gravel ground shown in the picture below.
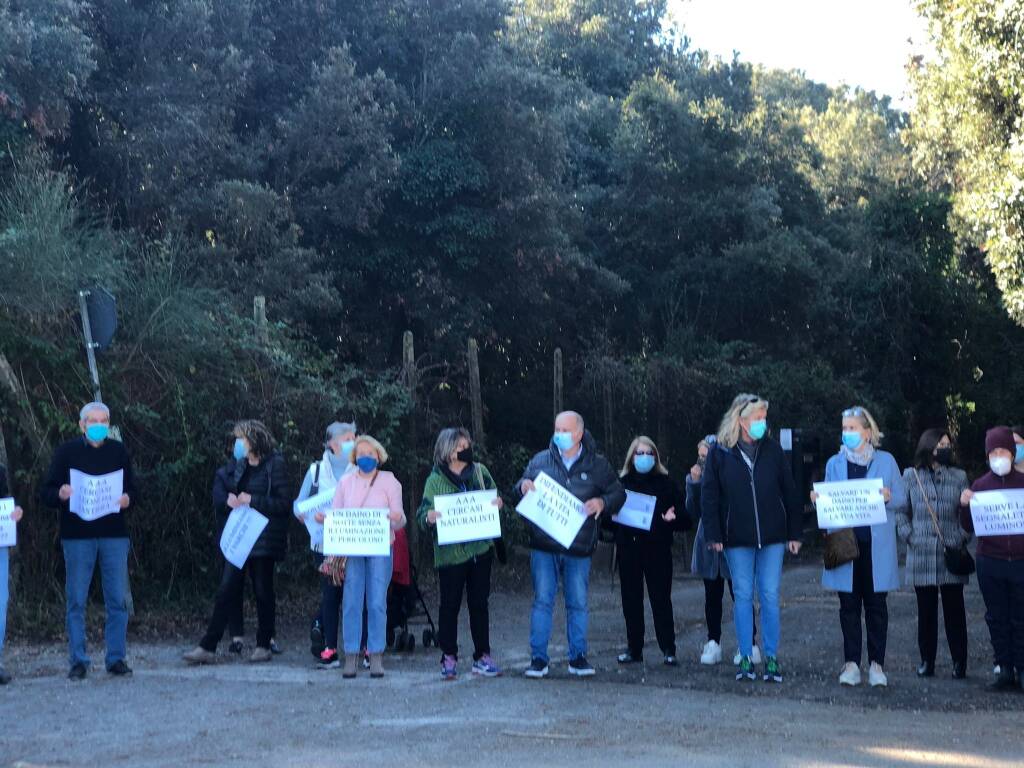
(288, 713)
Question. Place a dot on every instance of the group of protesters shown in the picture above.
(740, 496)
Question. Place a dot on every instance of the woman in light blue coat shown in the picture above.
(864, 583)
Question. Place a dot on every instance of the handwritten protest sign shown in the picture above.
(637, 512)
(850, 503)
(553, 509)
(241, 532)
(468, 516)
(357, 532)
(8, 528)
(308, 508)
(998, 513)
(95, 496)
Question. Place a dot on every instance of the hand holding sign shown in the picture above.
(998, 513)
(553, 509)
(850, 503)
(462, 517)
(357, 532)
(9, 516)
(241, 532)
(94, 496)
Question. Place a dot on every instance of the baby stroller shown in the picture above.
(405, 601)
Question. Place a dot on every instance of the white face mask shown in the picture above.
(1000, 465)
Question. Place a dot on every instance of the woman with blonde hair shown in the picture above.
(367, 577)
(645, 553)
(865, 582)
(750, 510)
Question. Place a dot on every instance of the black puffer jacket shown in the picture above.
(669, 495)
(267, 484)
(741, 507)
(590, 477)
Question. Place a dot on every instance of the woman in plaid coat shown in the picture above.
(933, 482)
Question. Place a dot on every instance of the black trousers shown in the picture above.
(236, 624)
(1002, 587)
(261, 570)
(639, 562)
(876, 612)
(474, 578)
(330, 606)
(953, 616)
(714, 595)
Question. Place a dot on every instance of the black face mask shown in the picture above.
(465, 455)
(944, 456)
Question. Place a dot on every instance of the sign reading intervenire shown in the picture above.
(241, 532)
(8, 528)
(95, 496)
(998, 513)
(470, 516)
(308, 508)
(637, 512)
(357, 532)
(850, 503)
(553, 509)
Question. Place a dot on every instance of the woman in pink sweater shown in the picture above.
(369, 577)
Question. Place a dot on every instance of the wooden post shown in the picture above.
(609, 433)
(558, 398)
(410, 377)
(475, 398)
(259, 312)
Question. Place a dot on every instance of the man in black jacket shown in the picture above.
(572, 461)
(88, 541)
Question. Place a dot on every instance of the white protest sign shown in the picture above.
(850, 503)
(470, 516)
(8, 528)
(356, 532)
(308, 508)
(998, 513)
(637, 512)
(553, 509)
(95, 496)
(241, 532)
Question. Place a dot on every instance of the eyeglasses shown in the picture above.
(853, 412)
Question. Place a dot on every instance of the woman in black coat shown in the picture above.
(645, 554)
(259, 480)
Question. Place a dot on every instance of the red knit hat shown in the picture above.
(999, 437)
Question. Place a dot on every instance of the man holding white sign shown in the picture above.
(993, 508)
(566, 487)
(83, 481)
(10, 514)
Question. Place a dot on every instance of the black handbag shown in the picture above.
(958, 560)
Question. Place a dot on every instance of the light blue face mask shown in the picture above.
(239, 451)
(346, 448)
(1020, 454)
(852, 440)
(758, 428)
(562, 441)
(643, 463)
(97, 432)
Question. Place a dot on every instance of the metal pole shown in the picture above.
(90, 346)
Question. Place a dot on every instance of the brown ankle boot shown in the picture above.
(349, 670)
(376, 665)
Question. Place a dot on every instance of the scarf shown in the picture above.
(862, 458)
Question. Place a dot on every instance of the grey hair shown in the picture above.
(447, 439)
(339, 428)
(579, 418)
(93, 406)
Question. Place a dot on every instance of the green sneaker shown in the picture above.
(745, 670)
(772, 672)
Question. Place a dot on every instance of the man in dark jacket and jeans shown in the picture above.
(572, 461)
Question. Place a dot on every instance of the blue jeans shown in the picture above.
(747, 565)
(545, 568)
(3, 601)
(80, 557)
(367, 577)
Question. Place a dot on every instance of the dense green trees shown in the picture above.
(530, 173)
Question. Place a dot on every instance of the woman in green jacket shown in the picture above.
(464, 567)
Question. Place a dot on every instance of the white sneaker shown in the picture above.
(712, 653)
(755, 656)
(876, 676)
(850, 674)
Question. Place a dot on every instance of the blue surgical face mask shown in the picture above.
(758, 428)
(97, 432)
(366, 464)
(562, 441)
(239, 451)
(346, 448)
(643, 463)
(1020, 454)
(852, 440)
